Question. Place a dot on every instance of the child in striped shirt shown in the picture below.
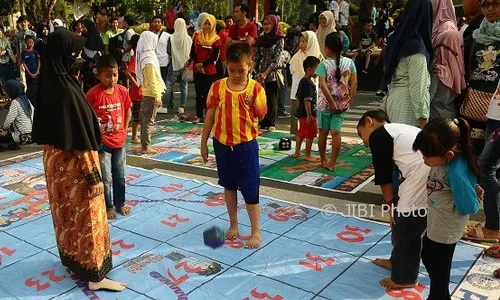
(235, 105)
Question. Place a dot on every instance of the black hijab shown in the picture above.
(412, 36)
(94, 40)
(63, 118)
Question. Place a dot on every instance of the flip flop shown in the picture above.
(493, 251)
(479, 235)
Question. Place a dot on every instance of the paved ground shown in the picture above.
(368, 197)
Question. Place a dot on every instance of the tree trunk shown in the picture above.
(304, 12)
(48, 6)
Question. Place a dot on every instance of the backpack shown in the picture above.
(116, 44)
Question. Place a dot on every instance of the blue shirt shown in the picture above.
(30, 58)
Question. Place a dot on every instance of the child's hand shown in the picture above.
(479, 193)
(96, 190)
(199, 67)
(204, 152)
(309, 120)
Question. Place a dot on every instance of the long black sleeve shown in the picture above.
(213, 58)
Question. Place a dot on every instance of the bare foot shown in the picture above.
(384, 263)
(149, 151)
(330, 166)
(111, 215)
(254, 241)
(389, 284)
(124, 211)
(324, 164)
(136, 141)
(107, 284)
(296, 155)
(232, 232)
(311, 158)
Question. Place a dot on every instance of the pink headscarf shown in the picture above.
(448, 45)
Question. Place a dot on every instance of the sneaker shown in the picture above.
(283, 115)
(380, 93)
(180, 110)
(162, 110)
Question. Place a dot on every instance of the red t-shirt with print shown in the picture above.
(110, 110)
(135, 91)
(250, 30)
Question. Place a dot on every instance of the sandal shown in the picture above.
(479, 235)
(184, 118)
(195, 120)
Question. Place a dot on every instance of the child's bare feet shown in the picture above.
(149, 151)
(389, 284)
(384, 263)
(136, 140)
(232, 232)
(254, 241)
(111, 215)
(310, 158)
(124, 211)
(324, 164)
(107, 284)
(296, 155)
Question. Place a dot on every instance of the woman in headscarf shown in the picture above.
(204, 52)
(19, 121)
(482, 64)
(407, 65)
(448, 70)
(65, 123)
(268, 67)
(308, 46)
(6, 58)
(149, 77)
(178, 48)
(93, 49)
(325, 27)
(42, 32)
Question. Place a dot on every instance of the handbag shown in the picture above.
(475, 104)
(187, 73)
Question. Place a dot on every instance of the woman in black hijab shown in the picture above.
(65, 123)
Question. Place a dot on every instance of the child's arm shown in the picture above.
(207, 127)
(38, 67)
(307, 103)
(353, 87)
(463, 187)
(324, 88)
(132, 79)
(26, 69)
(128, 115)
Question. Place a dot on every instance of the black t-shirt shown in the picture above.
(367, 39)
(306, 92)
(382, 148)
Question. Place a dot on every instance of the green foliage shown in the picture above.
(6, 7)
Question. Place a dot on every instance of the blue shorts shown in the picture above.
(238, 168)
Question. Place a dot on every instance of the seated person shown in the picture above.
(19, 121)
(346, 43)
(367, 41)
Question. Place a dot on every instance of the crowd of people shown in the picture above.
(442, 109)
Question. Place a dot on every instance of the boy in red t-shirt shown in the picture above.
(111, 103)
(135, 92)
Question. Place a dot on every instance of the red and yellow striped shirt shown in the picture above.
(236, 113)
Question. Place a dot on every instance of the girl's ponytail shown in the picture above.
(465, 144)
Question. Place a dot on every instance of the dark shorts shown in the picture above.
(307, 131)
(136, 111)
(238, 169)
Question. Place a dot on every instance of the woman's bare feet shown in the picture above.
(124, 211)
(232, 232)
(136, 140)
(384, 263)
(389, 284)
(107, 284)
(111, 215)
(330, 166)
(149, 150)
(254, 241)
(296, 155)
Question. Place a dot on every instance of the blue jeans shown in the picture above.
(113, 176)
(173, 77)
(489, 162)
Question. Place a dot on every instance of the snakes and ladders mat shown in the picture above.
(179, 142)
(159, 251)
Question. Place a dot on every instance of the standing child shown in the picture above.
(149, 77)
(306, 108)
(135, 91)
(112, 104)
(338, 83)
(31, 62)
(236, 150)
(446, 146)
(391, 145)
